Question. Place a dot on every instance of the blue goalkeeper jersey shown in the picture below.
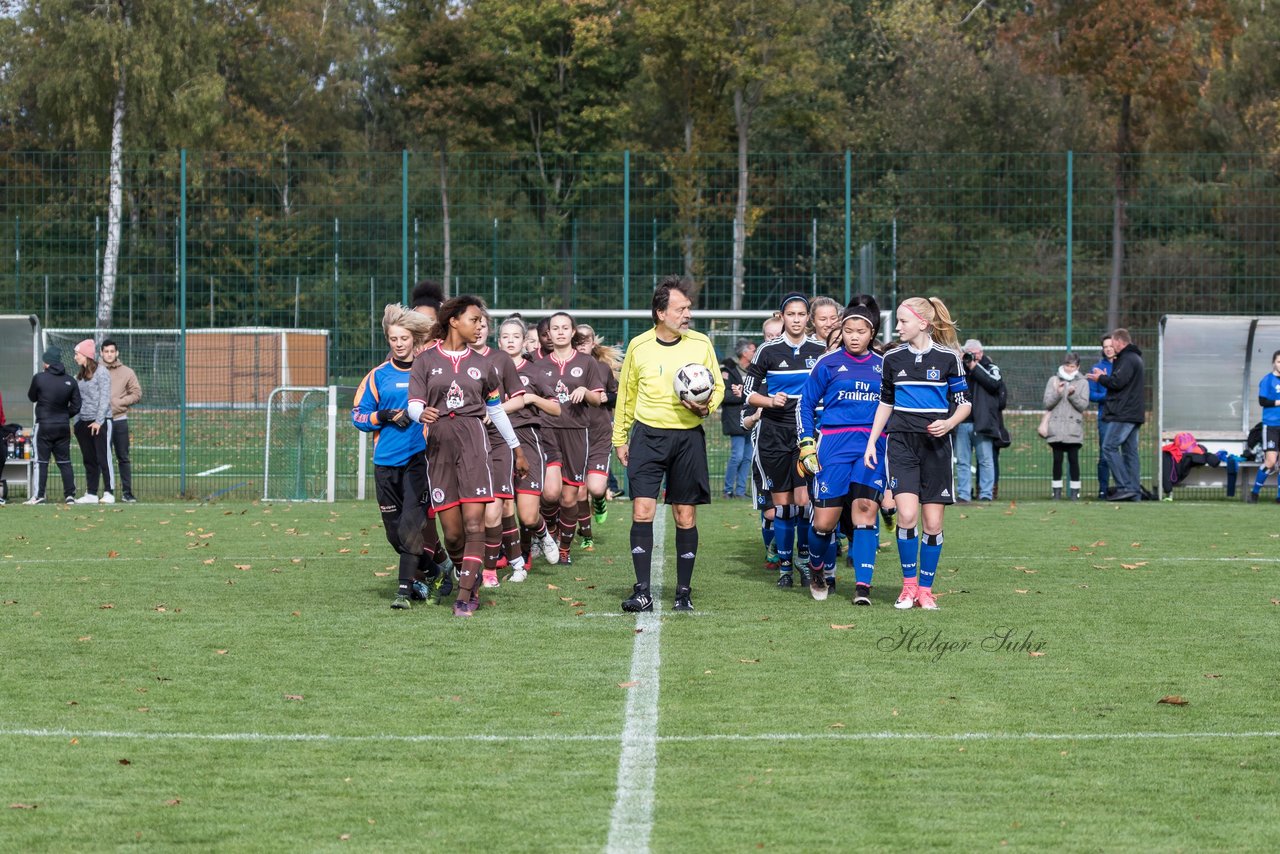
(848, 389)
(387, 387)
(1269, 389)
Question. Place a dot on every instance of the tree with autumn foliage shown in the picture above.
(1139, 58)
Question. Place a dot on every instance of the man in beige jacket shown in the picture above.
(125, 392)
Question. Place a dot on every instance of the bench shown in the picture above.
(1215, 477)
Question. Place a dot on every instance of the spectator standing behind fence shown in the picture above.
(1066, 397)
(57, 400)
(125, 392)
(93, 425)
(978, 434)
(1125, 413)
(1269, 401)
(740, 452)
(1098, 395)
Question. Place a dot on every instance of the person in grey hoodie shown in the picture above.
(93, 425)
(1066, 397)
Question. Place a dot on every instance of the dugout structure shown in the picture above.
(1209, 370)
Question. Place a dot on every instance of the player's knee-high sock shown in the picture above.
(930, 554)
(511, 542)
(686, 554)
(908, 551)
(783, 531)
(526, 540)
(584, 516)
(863, 550)
(492, 545)
(802, 515)
(820, 544)
(766, 530)
(642, 551)
(550, 511)
(470, 564)
(1261, 480)
(568, 525)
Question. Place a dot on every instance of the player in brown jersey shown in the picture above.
(591, 506)
(577, 383)
(451, 389)
(539, 398)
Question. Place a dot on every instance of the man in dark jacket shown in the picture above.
(57, 400)
(977, 436)
(739, 467)
(1126, 410)
(1098, 395)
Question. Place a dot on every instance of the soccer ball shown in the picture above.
(694, 383)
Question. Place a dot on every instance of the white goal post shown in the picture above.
(293, 468)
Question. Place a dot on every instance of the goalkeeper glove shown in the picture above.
(808, 463)
(398, 417)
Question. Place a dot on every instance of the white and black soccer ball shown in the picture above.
(694, 383)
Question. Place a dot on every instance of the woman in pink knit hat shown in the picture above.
(93, 425)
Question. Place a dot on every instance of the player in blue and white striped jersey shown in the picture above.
(847, 383)
(922, 399)
(775, 383)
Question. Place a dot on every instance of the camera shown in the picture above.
(968, 359)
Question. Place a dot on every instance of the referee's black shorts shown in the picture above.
(679, 456)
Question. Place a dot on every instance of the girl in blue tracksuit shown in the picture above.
(1269, 401)
(399, 469)
(846, 383)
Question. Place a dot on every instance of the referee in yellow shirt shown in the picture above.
(658, 436)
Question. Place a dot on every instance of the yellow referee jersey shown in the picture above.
(645, 390)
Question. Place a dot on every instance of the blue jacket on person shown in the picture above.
(1098, 392)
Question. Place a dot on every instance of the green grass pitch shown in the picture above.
(229, 677)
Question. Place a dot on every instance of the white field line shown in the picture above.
(214, 470)
(631, 820)
(554, 738)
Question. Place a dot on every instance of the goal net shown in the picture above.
(312, 451)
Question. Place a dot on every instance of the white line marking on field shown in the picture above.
(214, 470)
(554, 738)
(631, 821)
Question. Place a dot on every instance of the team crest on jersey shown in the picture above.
(474, 373)
(453, 399)
(933, 374)
(437, 495)
(878, 369)
(562, 391)
(524, 380)
(809, 363)
(575, 372)
(823, 488)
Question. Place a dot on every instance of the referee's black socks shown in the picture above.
(686, 554)
(642, 550)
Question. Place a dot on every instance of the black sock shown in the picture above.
(686, 554)
(642, 550)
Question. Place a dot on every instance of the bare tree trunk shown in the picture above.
(115, 205)
(688, 231)
(742, 119)
(284, 192)
(447, 271)
(1123, 154)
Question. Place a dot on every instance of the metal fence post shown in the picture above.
(848, 225)
(1070, 240)
(404, 226)
(17, 263)
(626, 242)
(182, 325)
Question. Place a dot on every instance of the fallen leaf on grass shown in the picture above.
(15, 601)
(105, 606)
(1172, 700)
(160, 608)
(1213, 676)
(173, 803)
(842, 628)
(1016, 590)
(125, 762)
(1136, 545)
(207, 561)
(295, 613)
(23, 806)
(1273, 602)
(243, 566)
(381, 574)
(1097, 544)
(628, 684)
(84, 638)
(293, 696)
(749, 660)
(113, 553)
(836, 725)
(552, 587)
(1074, 549)
(144, 709)
(344, 837)
(1034, 654)
(221, 651)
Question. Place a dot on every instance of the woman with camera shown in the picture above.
(1066, 397)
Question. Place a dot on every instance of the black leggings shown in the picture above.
(1073, 460)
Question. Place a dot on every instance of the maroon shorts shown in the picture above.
(502, 461)
(453, 447)
(572, 443)
(599, 446)
(550, 447)
(531, 441)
